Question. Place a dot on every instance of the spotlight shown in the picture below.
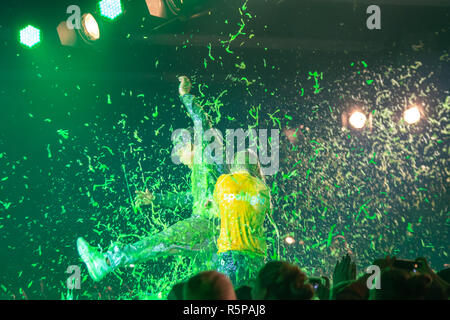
(67, 36)
(357, 120)
(289, 240)
(30, 36)
(110, 9)
(168, 9)
(89, 32)
(90, 28)
(164, 8)
(411, 115)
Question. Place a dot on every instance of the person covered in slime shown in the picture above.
(243, 199)
(194, 236)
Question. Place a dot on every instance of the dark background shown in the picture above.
(53, 198)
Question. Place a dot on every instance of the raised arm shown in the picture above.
(195, 111)
(200, 119)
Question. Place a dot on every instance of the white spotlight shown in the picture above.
(289, 240)
(90, 27)
(412, 115)
(357, 119)
(89, 32)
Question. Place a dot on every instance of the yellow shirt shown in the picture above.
(243, 202)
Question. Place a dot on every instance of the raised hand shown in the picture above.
(323, 291)
(344, 270)
(144, 198)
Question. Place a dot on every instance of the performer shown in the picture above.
(244, 200)
(195, 236)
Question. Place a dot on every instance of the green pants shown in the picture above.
(195, 236)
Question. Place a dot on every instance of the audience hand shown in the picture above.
(323, 291)
(344, 270)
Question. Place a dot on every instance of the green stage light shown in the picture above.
(110, 8)
(30, 36)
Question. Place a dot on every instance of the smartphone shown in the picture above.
(410, 265)
(315, 282)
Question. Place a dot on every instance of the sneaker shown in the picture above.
(94, 260)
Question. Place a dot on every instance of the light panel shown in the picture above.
(110, 9)
(30, 36)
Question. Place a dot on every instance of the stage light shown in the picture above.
(90, 28)
(164, 8)
(89, 32)
(67, 36)
(110, 8)
(411, 115)
(30, 36)
(357, 120)
(289, 240)
(179, 9)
